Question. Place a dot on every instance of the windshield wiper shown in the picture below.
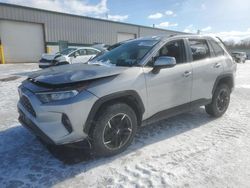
(126, 63)
(105, 63)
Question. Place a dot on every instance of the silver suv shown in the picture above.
(140, 82)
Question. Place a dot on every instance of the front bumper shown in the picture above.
(46, 120)
(27, 123)
(43, 65)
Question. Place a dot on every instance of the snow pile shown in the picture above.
(191, 150)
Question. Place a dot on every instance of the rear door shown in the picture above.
(171, 87)
(80, 56)
(206, 68)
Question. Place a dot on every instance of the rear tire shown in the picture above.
(220, 101)
(114, 129)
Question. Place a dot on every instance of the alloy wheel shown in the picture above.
(117, 131)
(222, 100)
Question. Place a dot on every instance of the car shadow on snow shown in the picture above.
(146, 135)
(25, 161)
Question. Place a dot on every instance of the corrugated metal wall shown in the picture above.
(153, 31)
(75, 29)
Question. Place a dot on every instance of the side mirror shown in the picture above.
(163, 62)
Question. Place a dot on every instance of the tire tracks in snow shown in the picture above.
(183, 163)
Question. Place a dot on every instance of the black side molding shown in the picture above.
(176, 111)
(126, 96)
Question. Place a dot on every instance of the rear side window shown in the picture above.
(81, 52)
(199, 48)
(218, 51)
(91, 52)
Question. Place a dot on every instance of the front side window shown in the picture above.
(218, 51)
(128, 54)
(199, 49)
(82, 52)
(67, 51)
(174, 49)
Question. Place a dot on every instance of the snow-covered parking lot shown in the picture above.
(189, 150)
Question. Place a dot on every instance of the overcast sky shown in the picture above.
(226, 18)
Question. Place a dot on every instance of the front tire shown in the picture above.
(220, 101)
(114, 129)
(62, 63)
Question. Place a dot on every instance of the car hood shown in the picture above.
(50, 56)
(74, 73)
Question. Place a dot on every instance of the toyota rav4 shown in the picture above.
(139, 82)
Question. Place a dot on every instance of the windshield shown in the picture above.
(67, 51)
(128, 54)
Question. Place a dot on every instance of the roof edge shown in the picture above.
(86, 17)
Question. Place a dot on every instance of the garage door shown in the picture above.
(125, 36)
(22, 42)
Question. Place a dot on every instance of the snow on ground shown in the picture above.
(189, 150)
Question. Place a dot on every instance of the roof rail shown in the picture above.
(173, 35)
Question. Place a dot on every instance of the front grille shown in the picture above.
(27, 105)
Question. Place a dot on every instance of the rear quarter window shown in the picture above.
(218, 50)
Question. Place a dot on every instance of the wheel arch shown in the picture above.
(224, 79)
(63, 63)
(129, 97)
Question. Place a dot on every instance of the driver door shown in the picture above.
(170, 87)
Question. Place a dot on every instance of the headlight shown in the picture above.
(56, 96)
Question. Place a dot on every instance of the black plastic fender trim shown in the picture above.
(110, 97)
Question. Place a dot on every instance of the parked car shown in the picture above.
(100, 46)
(239, 57)
(142, 81)
(117, 45)
(68, 56)
(109, 48)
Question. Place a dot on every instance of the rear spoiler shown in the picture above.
(221, 41)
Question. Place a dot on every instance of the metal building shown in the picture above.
(26, 33)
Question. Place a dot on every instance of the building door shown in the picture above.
(125, 36)
(22, 41)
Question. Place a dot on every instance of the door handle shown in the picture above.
(217, 65)
(187, 73)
